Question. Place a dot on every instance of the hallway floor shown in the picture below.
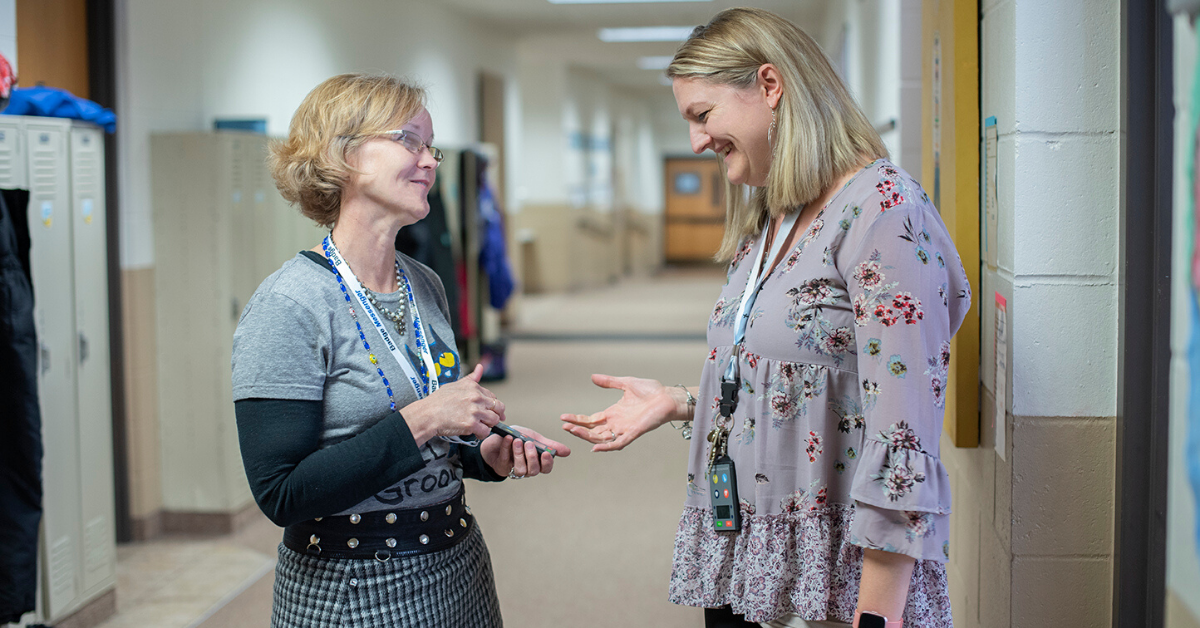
(589, 545)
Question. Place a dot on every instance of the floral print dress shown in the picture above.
(835, 435)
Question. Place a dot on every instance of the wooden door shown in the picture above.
(695, 213)
(52, 38)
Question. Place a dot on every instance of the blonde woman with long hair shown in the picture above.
(815, 495)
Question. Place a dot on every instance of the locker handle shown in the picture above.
(83, 348)
(235, 311)
(45, 351)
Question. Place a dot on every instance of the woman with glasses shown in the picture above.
(356, 422)
(815, 495)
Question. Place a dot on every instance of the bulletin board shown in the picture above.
(950, 174)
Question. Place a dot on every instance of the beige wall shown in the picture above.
(1178, 613)
(558, 248)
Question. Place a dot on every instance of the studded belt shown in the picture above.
(383, 534)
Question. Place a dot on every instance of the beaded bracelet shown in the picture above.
(685, 430)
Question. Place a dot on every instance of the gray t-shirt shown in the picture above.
(297, 340)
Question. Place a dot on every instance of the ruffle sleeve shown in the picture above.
(909, 295)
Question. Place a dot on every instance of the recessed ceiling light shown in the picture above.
(647, 33)
(618, 1)
(654, 63)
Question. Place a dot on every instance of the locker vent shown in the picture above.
(256, 175)
(237, 169)
(85, 170)
(62, 571)
(95, 544)
(45, 174)
(8, 174)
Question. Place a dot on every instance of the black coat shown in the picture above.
(20, 418)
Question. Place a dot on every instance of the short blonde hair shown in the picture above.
(335, 118)
(821, 133)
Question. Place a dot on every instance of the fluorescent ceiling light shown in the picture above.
(619, 1)
(648, 33)
(654, 63)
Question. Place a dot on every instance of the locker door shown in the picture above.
(93, 390)
(267, 254)
(54, 314)
(242, 227)
(12, 158)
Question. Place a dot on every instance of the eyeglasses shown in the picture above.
(413, 143)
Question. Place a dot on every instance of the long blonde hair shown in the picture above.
(821, 133)
(335, 118)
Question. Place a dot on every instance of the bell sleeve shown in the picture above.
(909, 295)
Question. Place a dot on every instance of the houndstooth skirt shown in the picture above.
(450, 588)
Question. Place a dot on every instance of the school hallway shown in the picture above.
(588, 545)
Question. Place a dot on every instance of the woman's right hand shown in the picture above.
(645, 405)
(455, 409)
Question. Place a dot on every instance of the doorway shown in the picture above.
(695, 210)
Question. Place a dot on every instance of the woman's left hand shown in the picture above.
(506, 454)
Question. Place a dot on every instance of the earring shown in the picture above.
(771, 129)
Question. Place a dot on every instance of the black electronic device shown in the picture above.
(507, 430)
(723, 493)
(871, 620)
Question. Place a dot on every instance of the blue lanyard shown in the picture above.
(423, 384)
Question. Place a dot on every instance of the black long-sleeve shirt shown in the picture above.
(294, 480)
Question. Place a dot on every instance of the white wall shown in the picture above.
(670, 127)
(863, 39)
(1059, 196)
(908, 154)
(1183, 567)
(8, 31)
(185, 63)
(540, 170)
(586, 143)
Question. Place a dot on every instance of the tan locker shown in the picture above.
(12, 155)
(62, 165)
(46, 143)
(194, 193)
(220, 228)
(93, 377)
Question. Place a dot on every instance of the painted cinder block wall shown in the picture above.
(1032, 531)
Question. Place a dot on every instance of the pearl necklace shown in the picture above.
(397, 317)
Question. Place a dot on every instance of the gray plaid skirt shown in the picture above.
(450, 588)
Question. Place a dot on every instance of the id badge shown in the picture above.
(724, 497)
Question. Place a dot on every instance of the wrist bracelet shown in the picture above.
(685, 430)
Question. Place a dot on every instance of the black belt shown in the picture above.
(385, 533)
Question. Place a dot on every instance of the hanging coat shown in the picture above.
(20, 422)
(493, 254)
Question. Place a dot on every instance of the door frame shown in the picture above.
(101, 17)
(1144, 295)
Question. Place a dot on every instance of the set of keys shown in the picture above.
(718, 437)
(726, 509)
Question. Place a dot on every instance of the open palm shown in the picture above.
(645, 405)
